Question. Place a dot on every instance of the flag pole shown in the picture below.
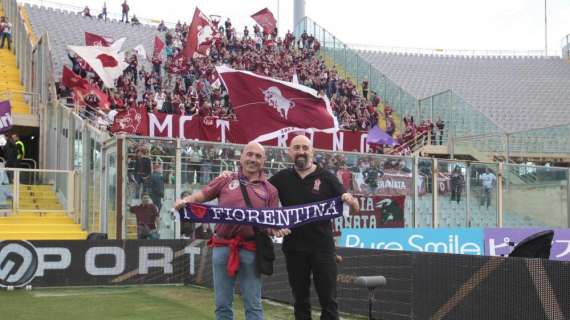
(279, 29)
(545, 31)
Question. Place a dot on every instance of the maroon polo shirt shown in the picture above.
(146, 214)
(261, 193)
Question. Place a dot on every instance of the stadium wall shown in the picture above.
(545, 203)
(419, 285)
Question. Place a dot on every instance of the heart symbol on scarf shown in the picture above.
(198, 210)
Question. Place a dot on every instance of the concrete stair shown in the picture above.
(54, 224)
(10, 86)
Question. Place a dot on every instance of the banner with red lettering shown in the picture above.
(220, 130)
(376, 211)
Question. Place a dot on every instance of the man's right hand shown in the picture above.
(179, 204)
(226, 174)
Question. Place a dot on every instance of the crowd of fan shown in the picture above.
(195, 91)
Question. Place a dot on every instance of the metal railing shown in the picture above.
(38, 190)
(448, 52)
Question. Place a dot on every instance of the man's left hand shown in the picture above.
(279, 233)
(351, 201)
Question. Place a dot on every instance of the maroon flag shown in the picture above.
(92, 39)
(72, 80)
(266, 20)
(200, 37)
(272, 108)
(158, 46)
(85, 93)
(92, 97)
(131, 121)
(101, 99)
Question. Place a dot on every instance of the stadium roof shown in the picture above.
(516, 93)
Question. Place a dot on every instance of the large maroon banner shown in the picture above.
(272, 108)
(219, 130)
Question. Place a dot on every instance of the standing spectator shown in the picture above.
(147, 218)
(20, 148)
(86, 12)
(440, 126)
(196, 157)
(456, 182)
(162, 26)
(432, 132)
(371, 178)
(156, 187)
(103, 14)
(5, 32)
(310, 248)
(125, 12)
(142, 170)
(231, 240)
(488, 181)
(365, 88)
(10, 153)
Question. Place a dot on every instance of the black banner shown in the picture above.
(419, 285)
(84, 263)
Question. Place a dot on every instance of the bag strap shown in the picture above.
(245, 195)
(246, 199)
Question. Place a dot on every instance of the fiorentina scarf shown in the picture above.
(285, 217)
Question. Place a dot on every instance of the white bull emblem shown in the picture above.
(130, 122)
(275, 99)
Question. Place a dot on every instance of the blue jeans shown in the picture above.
(249, 280)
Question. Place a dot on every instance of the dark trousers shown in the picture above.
(6, 36)
(157, 200)
(455, 193)
(323, 267)
(486, 197)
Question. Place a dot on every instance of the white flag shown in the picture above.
(118, 44)
(104, 61)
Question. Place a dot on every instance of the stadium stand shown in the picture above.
(303, 54)
(517, 93)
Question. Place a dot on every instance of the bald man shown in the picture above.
(310, 248)
(227, 190)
